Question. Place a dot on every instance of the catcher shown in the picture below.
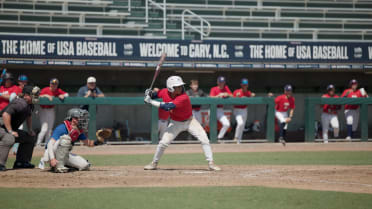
(58, 149)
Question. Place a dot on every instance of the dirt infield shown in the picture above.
(196, 148)
(316, 177)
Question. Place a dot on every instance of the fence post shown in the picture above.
(309, 120)
(154, 125)
(270, 121)
(364, 122)
(213, 123)
(92, 121)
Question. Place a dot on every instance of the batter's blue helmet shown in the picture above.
(22, 78)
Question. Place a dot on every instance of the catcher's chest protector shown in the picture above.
(72, 132)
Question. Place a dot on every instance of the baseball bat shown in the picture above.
(162, 58)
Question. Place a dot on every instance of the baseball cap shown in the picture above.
(288, 87)
(27, 90)
(54, 81)
(91, 79)
(22, 78)
(353, 81)
(330, 86)
(221, 79)
(244, 81)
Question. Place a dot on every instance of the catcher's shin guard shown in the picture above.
(62, 153)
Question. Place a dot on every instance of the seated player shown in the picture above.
(178, 104)
(58, 148)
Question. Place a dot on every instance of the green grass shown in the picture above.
(251, 158)
(179, 198)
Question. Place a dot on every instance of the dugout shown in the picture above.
(119, 82)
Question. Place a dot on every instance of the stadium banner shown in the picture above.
(88, 51)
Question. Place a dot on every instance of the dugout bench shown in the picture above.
(311, 102)
(212, 102)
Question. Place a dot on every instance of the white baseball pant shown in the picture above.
(241, 118)
(197, 115)
(176, 127)
(329, 119)
(74, 160)
(162, 126)
(281, 117)
(47, 117)
(352, 118)
(225, 123)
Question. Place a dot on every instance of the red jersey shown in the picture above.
(183, 110)
(352, 94)
(216, 91)
(5, 90)
(283, 103)
(48, 91)
(240, 93)
(18, 90)
(163, 115)
(331, 109)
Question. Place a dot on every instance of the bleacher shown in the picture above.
(229, 19)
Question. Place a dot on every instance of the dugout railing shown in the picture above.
(311, 102)
(211, 102)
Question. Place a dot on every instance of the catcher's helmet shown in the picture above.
(81, 115)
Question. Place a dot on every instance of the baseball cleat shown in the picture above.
(41, 165)
(151, 166)
(61, 170)
(326, 142)
(348, 139)
(2, 168)
(281, 140)
(213, 167)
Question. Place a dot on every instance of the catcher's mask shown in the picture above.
(81, 115)
(34, 92)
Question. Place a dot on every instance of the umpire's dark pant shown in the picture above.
(25, 149)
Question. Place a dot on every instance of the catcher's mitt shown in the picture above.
(103, 134)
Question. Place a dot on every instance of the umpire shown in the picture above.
(12, 116)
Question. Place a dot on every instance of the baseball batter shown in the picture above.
(240, 111)
(58, 149)
(176, 101)
(194, 91)
(221, 91)
(47, 112)
(283, 104)
(351, 111)
(329, 114)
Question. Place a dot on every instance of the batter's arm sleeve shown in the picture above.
(167, 106)
(50, 146)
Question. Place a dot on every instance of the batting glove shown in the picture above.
(147, 99)
(148, 92)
